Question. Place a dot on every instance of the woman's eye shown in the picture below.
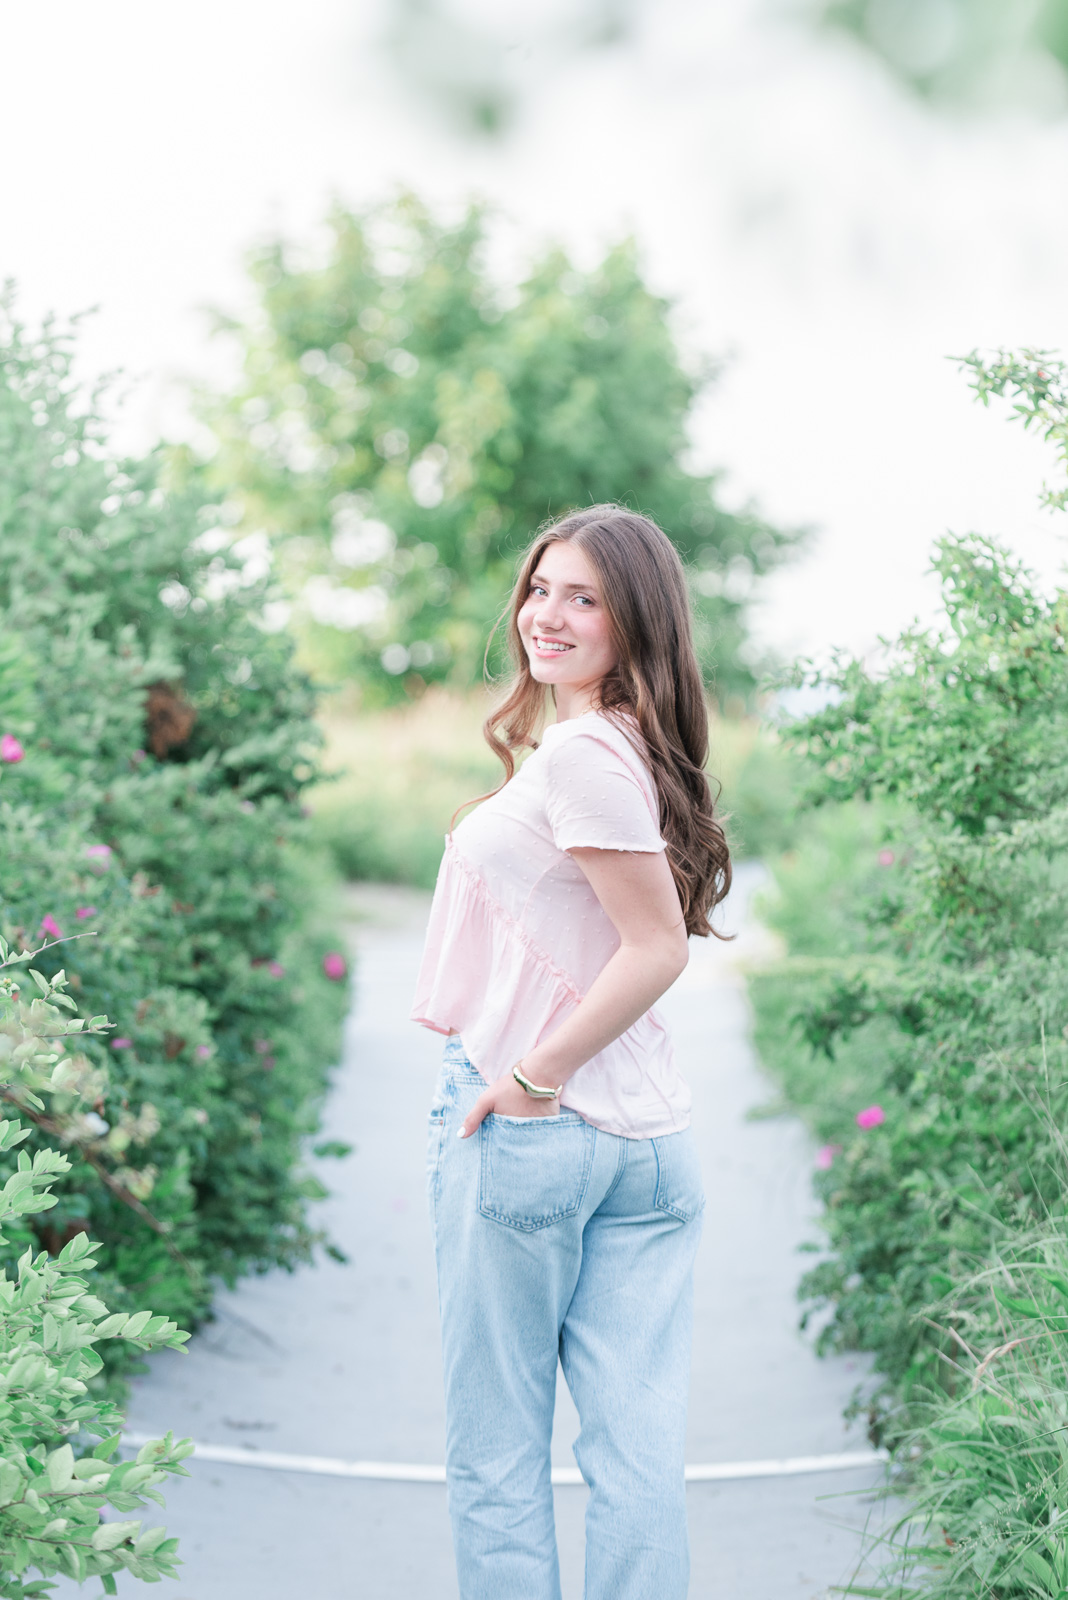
(584, 599)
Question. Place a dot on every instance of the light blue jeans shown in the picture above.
(554, 1239)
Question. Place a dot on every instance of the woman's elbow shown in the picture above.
(676, 953)
(663, 955)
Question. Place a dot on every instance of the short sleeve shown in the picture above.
(596, 798)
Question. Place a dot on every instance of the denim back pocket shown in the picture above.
(679, 1189)
(535, 1170)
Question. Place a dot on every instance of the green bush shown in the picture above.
(154, 744)
(51, 1499)
(927, 985)
(921, 1021)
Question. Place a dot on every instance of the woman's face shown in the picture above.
(564, 626)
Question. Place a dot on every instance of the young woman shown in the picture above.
(565, 1190)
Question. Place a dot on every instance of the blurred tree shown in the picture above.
(978, 53)
(403, 427)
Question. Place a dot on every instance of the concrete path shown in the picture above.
(342, 1361)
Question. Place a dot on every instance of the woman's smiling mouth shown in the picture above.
(550, 647)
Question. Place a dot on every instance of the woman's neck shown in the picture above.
(574, 700)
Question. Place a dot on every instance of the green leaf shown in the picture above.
(150, 1541)
(112, 1326)
(11, 1480)
(110, 1534)
(60, 1467)
(1022, 1308)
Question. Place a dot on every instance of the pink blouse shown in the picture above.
(517, 935)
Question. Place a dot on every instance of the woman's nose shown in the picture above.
(548, 615)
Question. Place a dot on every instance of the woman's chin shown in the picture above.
(543, 671)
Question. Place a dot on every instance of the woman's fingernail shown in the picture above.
(461, 1133)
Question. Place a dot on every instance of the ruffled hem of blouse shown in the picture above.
(434, 1007)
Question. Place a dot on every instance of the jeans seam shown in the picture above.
(565, 1355)
(621, 1167)
(682, 1213)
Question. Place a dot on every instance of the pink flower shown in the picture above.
(886, 858)
(334, 965)
(276, 969)
(825, 1156)
(81, 912)
(199, 1116)
(10, 749)
(203, 1051)
(101, 851)
(50, 926)
(870, 1117)
(122, 1044)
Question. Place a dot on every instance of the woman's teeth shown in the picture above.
(552, 645)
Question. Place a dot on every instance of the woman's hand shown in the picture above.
(507, 1099)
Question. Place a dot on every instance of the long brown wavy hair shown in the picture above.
(656, 683)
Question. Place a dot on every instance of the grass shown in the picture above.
(396, 776)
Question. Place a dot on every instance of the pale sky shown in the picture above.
(833, 240)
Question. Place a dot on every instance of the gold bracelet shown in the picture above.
(537, 1091)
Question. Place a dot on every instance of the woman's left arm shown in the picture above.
(639, 896)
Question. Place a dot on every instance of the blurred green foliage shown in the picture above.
(395, 776)
(393, 779)
(975, 53)
(154, 743)
(474, 73)
(50, 1498)
(405, 423)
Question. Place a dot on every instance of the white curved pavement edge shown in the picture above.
(563, 1477)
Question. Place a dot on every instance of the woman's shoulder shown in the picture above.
(597, 738)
